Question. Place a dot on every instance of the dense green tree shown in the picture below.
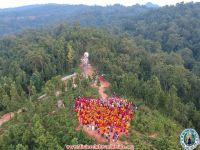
(21, 147)
(36, 80)
(153, 92)
(70, 55)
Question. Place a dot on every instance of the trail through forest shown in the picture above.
(8, 116)
(103, 85)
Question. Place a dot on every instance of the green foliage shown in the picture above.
(70, 55)
(36, 80)
(166, 143)
(155, 129)
(21, 147)
(45, 126)
(149, 121)
(166, 82)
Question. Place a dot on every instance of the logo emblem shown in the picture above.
(189, 139)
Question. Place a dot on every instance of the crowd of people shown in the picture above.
(110, 117)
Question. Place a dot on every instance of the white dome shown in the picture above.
(86, 54)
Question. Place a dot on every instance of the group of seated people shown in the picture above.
(110, 117)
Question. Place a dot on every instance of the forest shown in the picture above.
(152, 59)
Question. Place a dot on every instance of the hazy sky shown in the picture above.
(15, 3)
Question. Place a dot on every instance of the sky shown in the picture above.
(16, 3)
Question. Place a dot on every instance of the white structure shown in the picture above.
(60, 104)
(86, 54)
(85, 63)
(85, 59)
(42, 97)
(73, 76)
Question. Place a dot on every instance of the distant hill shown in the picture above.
(16, 19)
(19, 8)
(175, 27)
(151, 5)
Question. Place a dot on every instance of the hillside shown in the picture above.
(38, 16)
(29, 66)
(175, 28)
(148, 55)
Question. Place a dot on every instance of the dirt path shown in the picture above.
(103, 85)
(8, 116)
(91, 133)
(89, 71)
(103, 82)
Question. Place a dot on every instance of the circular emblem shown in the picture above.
(189, 139)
